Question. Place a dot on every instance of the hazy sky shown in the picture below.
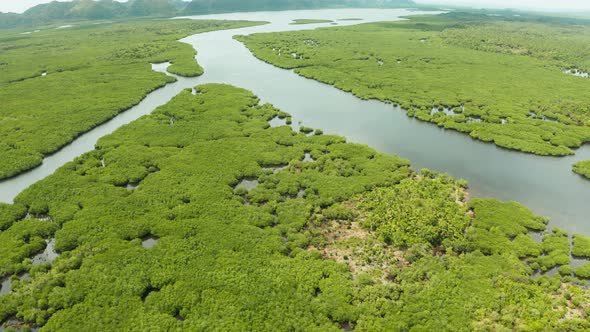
(521, 4)
(19, 6)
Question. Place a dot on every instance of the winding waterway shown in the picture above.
(545, 184)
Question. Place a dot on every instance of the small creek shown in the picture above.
(275, 169)
(576, 72)
(11, 187)
(247, 184)
(5, 286)
(47, 256)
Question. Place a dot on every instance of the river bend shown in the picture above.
(545, 184)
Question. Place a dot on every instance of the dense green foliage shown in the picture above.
(581, 246)
(218, 261)
(231, 257)
(423, 211)
(89, 68)
(504, 82)
(583, 270)
(583, 168)
(9, 214)
(463, 288)
(556, 250)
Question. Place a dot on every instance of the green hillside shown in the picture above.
(208, 6)
(151, 8)
(109, 9)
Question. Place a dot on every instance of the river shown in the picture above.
(545, 184)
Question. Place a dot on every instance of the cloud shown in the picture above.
(18, 6)
(520, 4)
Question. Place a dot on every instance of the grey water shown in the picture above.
(277, 122)
(275, 169)
(149, 242)
(47, 256)
(577, 73)
(248, 184)
(307, 158)
(5, 286)
(545, 184)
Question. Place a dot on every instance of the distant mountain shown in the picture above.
(89, 9)
(217, 6)
(49, 11)
(9, 20)
(153, 8)
(110, 9)
(179, 4)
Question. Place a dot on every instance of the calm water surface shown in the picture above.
(545, 184)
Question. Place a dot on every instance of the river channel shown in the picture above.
(545, 184)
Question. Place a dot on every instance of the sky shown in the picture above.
(542, 5)
(18, 6)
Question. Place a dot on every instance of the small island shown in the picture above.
(310, 21)
(583, 168)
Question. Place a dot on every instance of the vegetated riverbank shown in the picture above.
(57, 84)
(498, 81)
(158, 228)
(310, 21)
(583, 168)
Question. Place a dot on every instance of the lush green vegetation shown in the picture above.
(58, 84)
(417, 212)
(583, 270)
(556, 249)
(583, 168)
(213, 249)
(444, 283)
(504, 226)
(323, 244)
(503, 81)
(581, 246)
(309, 21)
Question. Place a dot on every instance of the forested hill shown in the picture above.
(215, 6)
(109, 9)
(90, 9)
